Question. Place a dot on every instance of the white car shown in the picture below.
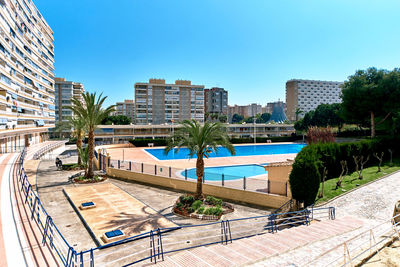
(11, 124)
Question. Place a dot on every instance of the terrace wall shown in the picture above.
(250, 197)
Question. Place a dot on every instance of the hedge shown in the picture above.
(303, 177)
(163, 142)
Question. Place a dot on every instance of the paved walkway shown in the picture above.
(372, 204)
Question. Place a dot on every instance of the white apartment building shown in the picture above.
(307, 95)
(157, 102)
(27, 104)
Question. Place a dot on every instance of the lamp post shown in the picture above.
(254, 124)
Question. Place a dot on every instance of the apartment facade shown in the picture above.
(157, 102)
(122, 133)
(245, 111)
(65, 90)
(27, 99)
(307, 95)
(126, 108)
(216, 101)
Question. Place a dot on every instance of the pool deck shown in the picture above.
(138, 154)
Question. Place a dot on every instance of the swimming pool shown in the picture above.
(233, 172)
(245, 150)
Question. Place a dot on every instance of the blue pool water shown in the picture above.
(230, 172)
(246, 150)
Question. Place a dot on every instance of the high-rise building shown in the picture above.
(245, 111)
(307, 95)
(126, 108)
(269, 108)
(216, 101)
(65, 90)
(157, 102)
(27, 104)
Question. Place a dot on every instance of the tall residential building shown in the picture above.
(27, 104)
(216, 101)
(126, 108)
(307, 95)
(65, 90)
(269, 108)
(245, 111)
(157, 102)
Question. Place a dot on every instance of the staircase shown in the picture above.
(253, 249)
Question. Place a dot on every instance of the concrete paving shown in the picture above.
(50, 183)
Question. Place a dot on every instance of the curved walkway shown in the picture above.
(372, 204)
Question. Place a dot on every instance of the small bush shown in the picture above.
(186, 200)
(213, 201)
(179, 206)
(201, 210)
(197, 204)
(213, 211)
(190, 210)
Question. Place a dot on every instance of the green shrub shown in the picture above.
(305, 177)
(217, 211)
(310, 161)
(142, 142)
(201, 210)
(179, 206)
(197, 204)
(190, 210)
(213, 201)
(186, 200)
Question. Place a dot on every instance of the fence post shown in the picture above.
(91, 258)
(244, 182)
(185, 174)
(286, 189)
(223, 179)
(142, 167)
(130, 165)
(169, 171)
(119, 164)
(155, 169)
(268, 187)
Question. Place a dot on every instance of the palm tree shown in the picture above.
(92, 112)
(201, 140)
(298, 112)
(78, 123)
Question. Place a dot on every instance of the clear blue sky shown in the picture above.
(251, 48)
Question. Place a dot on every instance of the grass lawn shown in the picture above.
(351, 181)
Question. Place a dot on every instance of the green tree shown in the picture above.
(298, 112)
(78, 125)
(363, 96)
(201, 140)
(265, 117)
(223, 118)
(92, 111)
(236, 118)
(116, 120)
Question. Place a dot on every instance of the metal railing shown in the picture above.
(51, 235)
(154, 244)
(355, 250)
(42, 151)
(257, 183)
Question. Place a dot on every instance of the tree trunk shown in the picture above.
(90, 173)
(79, 147)
(199, 173)
(372, 124)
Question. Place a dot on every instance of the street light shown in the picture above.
(254, 123)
